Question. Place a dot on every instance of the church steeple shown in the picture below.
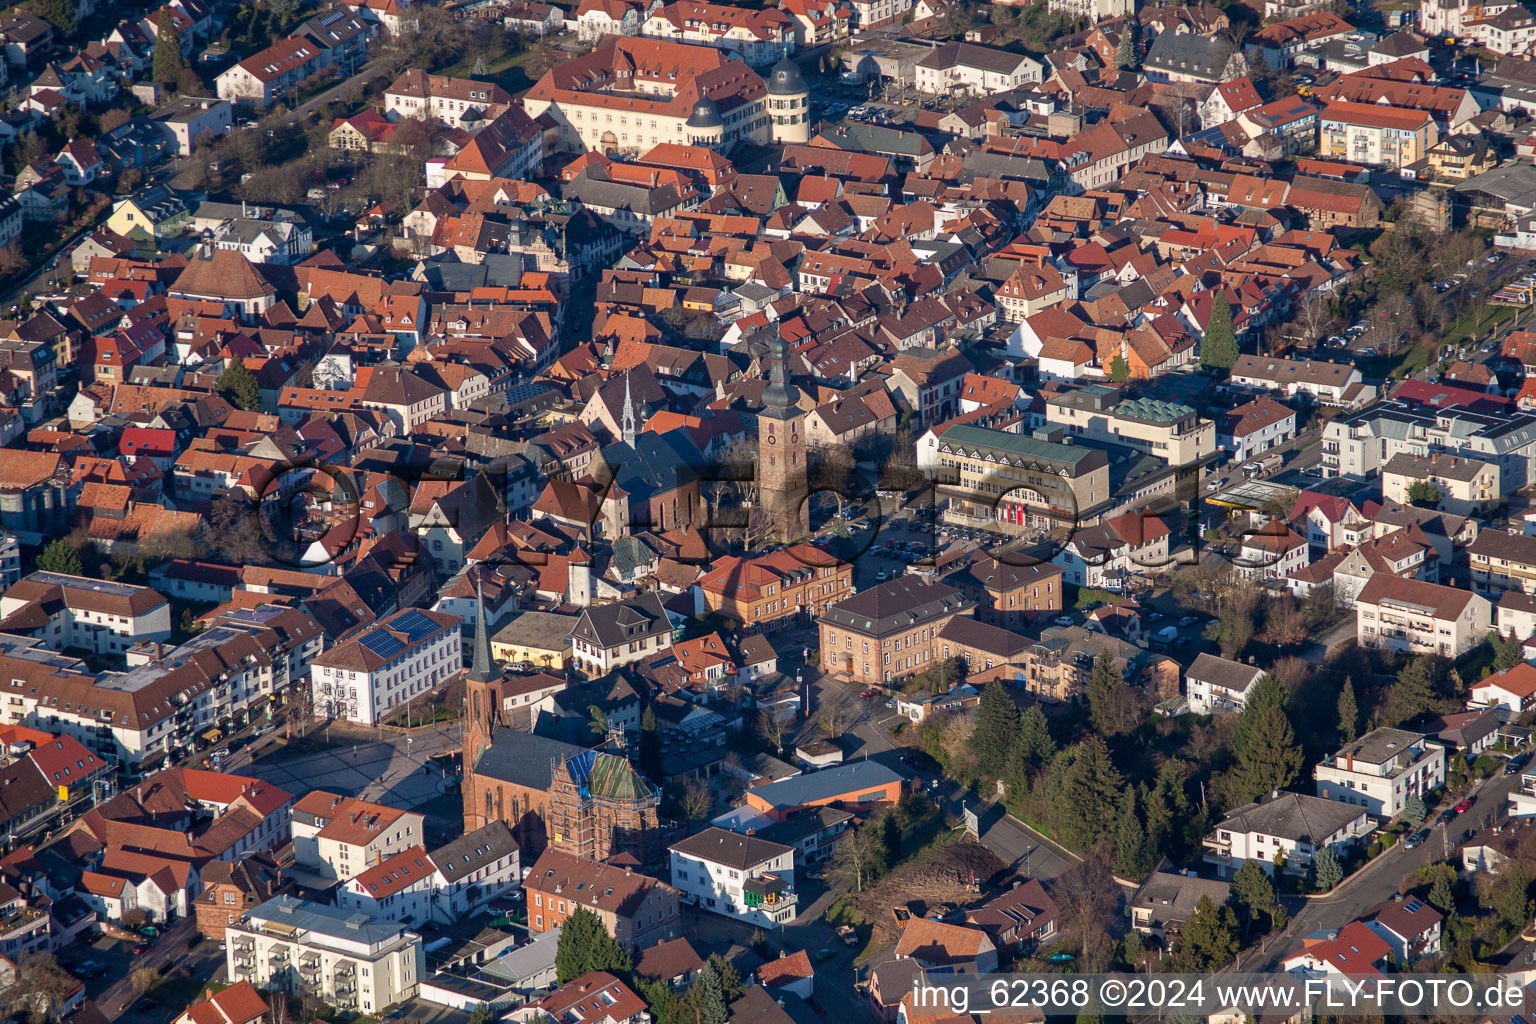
(781, 467)
(780, 397)
(628, 427)
(482, 669)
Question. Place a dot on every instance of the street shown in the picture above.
(169, 949)
(1381, 879)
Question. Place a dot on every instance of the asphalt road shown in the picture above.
(169, 949)
(1380, 880)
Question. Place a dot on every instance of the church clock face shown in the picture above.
(772, 439)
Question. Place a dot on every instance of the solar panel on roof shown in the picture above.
(382, 644)
(415, 624)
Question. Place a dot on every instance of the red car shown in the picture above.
(1464, 807)
(139, 950)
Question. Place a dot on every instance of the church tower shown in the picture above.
(628, 426)
(482, 713)
(781, 472)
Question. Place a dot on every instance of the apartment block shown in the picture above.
(738, 876)
(1381, 770)
(1415, 617)
(349, 961)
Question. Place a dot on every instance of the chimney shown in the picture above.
(378, 858)
(1349, 760)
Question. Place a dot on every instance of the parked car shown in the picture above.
(1063, 620)
(1464, 806)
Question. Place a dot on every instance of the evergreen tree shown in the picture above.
(1414, 811)
(1118, 368)
(1413, 694)
(58, 13)
(1034, 744)
(586, 946)
(1218, 346)
(1125, 51)
(666, 1006)
(1326, 870)
(1423, 494)
(1111, 703)
(1208, 939)
(1132, 950)
(1265, 752)
(168, 61)
(1512, 899)
(708, 999)
(1169, 815)
(1506, 651)
(1254, 893)
(1133, 855)
(717, 986)
(1441, 896)
(240, 386)
(890, 835)
(997, 729)
(1349, 712)
(1083, 793)
(61, 556)
(650, 744)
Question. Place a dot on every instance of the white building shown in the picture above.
(340, 836)
(283, 242)
(1273, 552)
(610, 635)
(84, 613)
(758, 37)
(10, 555)
(1255, 428)
(394, 661)
(1381, 770)
(398, 889)
(737, 876)
(187, 119)
(957, 68)
(473, 871)
(1415, 617)
(1514, 689)
(166, 696)
(274, 73)
(348, 961)
(1328, 383)
(1216, 684)
(1287, 829)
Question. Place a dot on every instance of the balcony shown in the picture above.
(768, 892)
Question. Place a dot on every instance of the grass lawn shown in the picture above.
(508, 71)
(1088, 595)
(1468, 325)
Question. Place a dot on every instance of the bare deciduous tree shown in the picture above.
(834, 718)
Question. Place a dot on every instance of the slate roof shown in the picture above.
(470, 852)
(610, 625)
(523, 759)
(717, 846)
(1293, 816)
(895, 604)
